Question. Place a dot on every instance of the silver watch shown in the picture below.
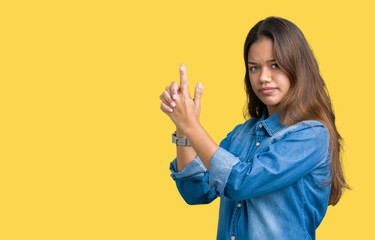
(180, 141)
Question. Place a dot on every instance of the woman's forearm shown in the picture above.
(202, 143)
(185, 154)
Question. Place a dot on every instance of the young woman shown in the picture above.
(277, 172)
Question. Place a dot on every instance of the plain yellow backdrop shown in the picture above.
(84, 147)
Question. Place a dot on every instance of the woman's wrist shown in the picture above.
(180, 134)
(190, 125)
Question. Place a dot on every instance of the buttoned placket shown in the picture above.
(260, 134)
(236, 216)
(234, 221)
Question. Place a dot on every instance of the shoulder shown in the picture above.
(304, 140)
(311, 131)
(308, 126)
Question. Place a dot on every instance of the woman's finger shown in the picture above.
(167, 99)
(162, 99)
(168, 89)
(165, 108)
(183, 80)
(173, 90)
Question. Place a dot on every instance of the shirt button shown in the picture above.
(238, 205)
(260, 125)
(232, 238)
(257, 144)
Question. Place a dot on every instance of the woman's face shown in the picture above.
(268, 81)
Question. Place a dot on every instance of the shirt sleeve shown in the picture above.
(285, 161)
(193, 180)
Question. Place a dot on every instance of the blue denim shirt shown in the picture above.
(269, 177)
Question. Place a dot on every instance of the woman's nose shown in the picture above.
(265, 75)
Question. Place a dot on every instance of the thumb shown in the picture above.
(198, 93)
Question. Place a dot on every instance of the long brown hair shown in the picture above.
(307, 98)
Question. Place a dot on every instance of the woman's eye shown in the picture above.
(252, 69)
(275, 65)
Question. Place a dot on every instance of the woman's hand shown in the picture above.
(178, 105)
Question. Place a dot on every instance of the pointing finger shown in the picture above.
(183, 80)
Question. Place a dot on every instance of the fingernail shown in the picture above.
(174, 96)
(173, 104)
(170, 109)
(182, 67)
(200, 85)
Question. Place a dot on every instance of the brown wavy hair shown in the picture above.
(307, 98)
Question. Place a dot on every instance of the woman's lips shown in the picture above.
(267, 90)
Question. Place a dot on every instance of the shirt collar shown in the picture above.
(271, 124)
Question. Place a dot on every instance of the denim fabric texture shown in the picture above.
(271, 180)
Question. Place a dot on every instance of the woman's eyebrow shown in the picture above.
(272, 60)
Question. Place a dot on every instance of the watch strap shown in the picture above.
(180, 141)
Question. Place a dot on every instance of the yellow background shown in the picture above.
(85, 149)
